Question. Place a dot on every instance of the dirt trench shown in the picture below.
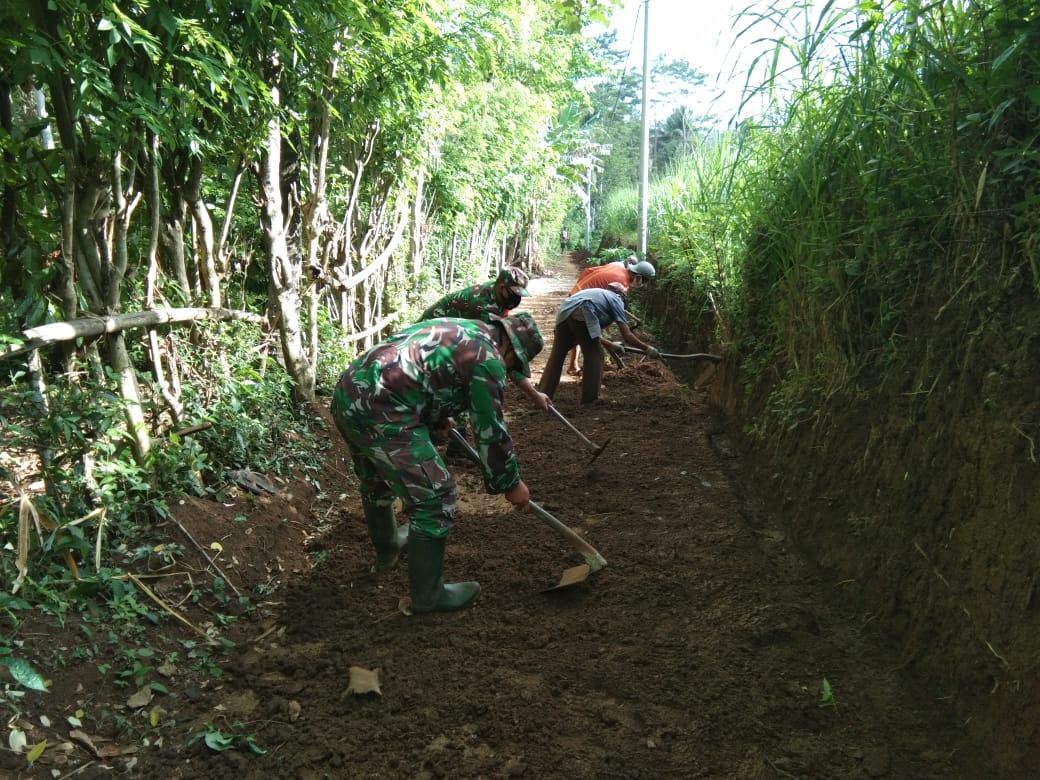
(707, 648)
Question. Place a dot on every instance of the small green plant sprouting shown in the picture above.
(219, 741)
(201, 658)
(135, 666)
(827, 695)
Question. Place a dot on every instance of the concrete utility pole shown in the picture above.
(588, 205)
(644, 163)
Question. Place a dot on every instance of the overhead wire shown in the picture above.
(628, 56)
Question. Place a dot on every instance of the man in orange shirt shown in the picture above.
(627, 273)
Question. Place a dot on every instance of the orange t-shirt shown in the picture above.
(601, 276)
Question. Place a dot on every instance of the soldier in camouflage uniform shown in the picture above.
(396, 401)
(483, 302)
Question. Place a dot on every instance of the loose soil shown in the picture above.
(707, 648)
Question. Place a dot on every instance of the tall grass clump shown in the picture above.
(618, 219)
(699, 218)
(899, 145)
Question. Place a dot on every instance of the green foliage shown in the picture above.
(618, 220)
(219, 741)
(22, 671)
(336, 353)
(895, 157)
(245, 398)
(185, 92)
(827, 695)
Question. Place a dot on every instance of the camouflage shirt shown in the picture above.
(471, 303)
(426, 373)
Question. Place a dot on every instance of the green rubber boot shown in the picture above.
(426, 572)
(387, 537)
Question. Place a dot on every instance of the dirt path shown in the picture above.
(700, 651)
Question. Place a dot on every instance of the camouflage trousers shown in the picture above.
(391, 462)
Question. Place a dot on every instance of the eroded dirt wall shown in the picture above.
(916, 492)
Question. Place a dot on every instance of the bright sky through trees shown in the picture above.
(703, 33)
(698, 32)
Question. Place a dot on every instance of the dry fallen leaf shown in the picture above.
(294, 711)
(116, 751)
(363, 681)
(141, 698)
(81, 738)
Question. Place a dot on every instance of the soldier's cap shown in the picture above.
(525, 337)
(515, 280)
(617, 287)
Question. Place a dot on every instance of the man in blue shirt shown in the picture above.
(580, 322)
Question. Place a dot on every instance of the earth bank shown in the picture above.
(914, 491)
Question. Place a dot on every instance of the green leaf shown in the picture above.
(36, 752)
(24, 674)
(216, 740)
(826, 694)
(105, 24)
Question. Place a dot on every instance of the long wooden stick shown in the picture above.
(151, 594)
(212, 562)
(587, 551)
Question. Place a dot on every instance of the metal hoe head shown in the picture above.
(575, 575)
(599, 451)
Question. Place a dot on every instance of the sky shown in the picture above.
(700, 32)
(696, 31)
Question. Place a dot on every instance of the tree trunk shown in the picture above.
(415, 246)
(118, 358)
(284, 277)
(171, 244)
(205, 243)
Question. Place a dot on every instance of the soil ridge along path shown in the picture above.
(707, 648)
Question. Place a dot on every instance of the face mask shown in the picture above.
(512, 300)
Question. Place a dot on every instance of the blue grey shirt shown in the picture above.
(598, 306)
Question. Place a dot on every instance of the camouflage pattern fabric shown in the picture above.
(389, 398)
(471, 303)
(478, 302)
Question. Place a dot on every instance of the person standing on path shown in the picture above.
(483, 302)
(580, 322)
(628, 273)
(564, 239)
(395, 401)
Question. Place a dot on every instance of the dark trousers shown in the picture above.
(570, 333)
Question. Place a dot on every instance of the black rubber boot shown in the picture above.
(388, 539)
(426, 573)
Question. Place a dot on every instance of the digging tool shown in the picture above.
(593, 560)
(616, 355)
(670, 356)
(597, 450)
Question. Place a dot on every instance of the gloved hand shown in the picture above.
(654, 352)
